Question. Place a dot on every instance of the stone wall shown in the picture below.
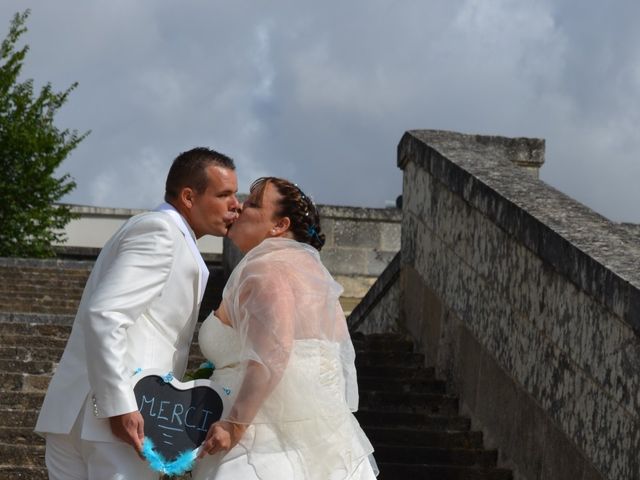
(526, 302)
(360, 243)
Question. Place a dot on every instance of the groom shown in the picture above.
(138, 310)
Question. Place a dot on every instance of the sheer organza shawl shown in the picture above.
(299, 382)
(296, 349)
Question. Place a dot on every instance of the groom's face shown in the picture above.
(214, 210)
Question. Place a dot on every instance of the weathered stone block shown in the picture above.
(328, 226)
(390, 237)
(377, 261)
(344, 261)
(360, 234)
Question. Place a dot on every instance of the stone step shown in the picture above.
(39, 304)
(21, 400)
(41, 297)
(427, 385)
(10, 472)
(397, 372)
(403, 471)
(60, 285)
(34, 308)
(53, 294)
(30, 367)
(411, 437)
(27, 354)
(19, 436)
(382, 342)
(20, 274)
(434, 423)
(18, 418)
(38, 329)
(27, 341)
(63, 291)
(23, 382)
(43, 272)
(23, 455)
(435, 455)
(389, 358)
(33, 282)
(409, 402)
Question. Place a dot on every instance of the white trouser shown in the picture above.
(68, 457)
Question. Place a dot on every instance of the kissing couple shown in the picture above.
(279, 339)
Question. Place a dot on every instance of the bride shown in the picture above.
(282, 351)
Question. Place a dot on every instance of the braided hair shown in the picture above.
(293, 203)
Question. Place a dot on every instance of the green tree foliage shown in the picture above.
(31, 149)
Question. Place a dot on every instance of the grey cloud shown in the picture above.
(321, 92)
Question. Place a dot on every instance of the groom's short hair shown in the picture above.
(189, 169)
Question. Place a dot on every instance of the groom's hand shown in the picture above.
(129, 427)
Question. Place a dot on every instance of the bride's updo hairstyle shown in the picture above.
(302, 212)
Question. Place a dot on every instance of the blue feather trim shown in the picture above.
(182, 464)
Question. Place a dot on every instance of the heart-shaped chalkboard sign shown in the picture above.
(177, 415)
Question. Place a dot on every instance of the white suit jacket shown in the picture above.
(138, 310)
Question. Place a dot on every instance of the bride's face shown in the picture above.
(257, 220)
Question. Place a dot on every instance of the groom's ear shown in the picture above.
(185, 197)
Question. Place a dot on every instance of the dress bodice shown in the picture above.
(313, 375)
(219, 343)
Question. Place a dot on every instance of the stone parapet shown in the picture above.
(526, 301)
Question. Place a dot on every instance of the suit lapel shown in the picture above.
(190, 238)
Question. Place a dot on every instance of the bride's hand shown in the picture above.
(222, 436)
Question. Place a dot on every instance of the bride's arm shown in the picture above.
(266, 325)
(225, 434)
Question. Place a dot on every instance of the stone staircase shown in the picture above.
(42, 286)
(407, 413)
(411, 420)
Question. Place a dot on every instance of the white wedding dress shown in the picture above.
(263, 454)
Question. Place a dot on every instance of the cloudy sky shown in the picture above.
(321, 92)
